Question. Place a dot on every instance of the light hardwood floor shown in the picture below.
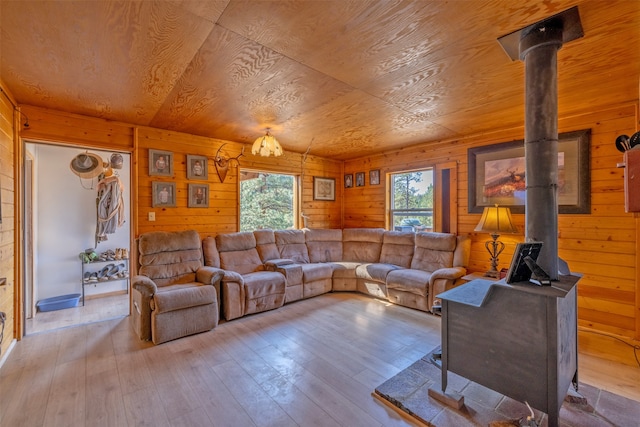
(94, 310)
(311, 363)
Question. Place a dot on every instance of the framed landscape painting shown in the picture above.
(497, 175)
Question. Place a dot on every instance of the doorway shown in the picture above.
(60, 225)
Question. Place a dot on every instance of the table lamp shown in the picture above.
(495, 221)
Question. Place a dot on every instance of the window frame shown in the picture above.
(295, 193)
(392, 212)
(445, 198)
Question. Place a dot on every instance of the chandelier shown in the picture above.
(267, 145)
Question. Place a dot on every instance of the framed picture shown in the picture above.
(324, 188)
(163, 194)
(160, 163)
(359, 179)
(197, 167)
(198, 196)
(374, 177)
(348, 180)
(497, 175)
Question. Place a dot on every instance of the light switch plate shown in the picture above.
(152, 216)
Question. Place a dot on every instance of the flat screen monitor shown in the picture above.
(519, 271)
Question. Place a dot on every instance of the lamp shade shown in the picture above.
(496, 220)
(267, 145)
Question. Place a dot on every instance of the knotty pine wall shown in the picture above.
(602, 245)
(7, 228)
(222, 214)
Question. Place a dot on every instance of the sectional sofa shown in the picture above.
(264, 269)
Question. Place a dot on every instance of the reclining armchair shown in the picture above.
(174, 294)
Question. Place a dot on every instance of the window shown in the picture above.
(412, 199)
(267, 200)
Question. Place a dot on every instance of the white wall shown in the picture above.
(65, 222)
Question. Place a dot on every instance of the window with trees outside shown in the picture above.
(267, 200)
(412, 200)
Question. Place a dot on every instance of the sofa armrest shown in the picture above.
(232, 276)
(142, 290)
(144, 285)
(442, 280)
(452, 274)
(292, 272)
(273, 264)
(209, 275)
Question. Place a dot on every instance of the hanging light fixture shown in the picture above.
(267, 145)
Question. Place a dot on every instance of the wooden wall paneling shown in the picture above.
(9, 292)
(637, 289)
(135, 208)
(66, 128)
(602, 245)
(222, 198)
(596, 245)
(222, 216)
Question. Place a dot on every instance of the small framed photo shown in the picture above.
(359, 179)
(163, 194)
(160, 163)
(198, 196)
(374, 177)
(197, 167)
(348, 180)
(324, 188)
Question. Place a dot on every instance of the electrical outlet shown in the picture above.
(152, 216)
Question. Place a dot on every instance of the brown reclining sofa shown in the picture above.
(181, 278)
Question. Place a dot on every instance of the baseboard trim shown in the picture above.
(106, 294)
(8, 352)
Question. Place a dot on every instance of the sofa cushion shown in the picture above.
(324, 245)
(397, 248)
(408, 280)
(374, 271)
(266, 245)
(292, 245)
(263, 283)
(433, 251)
(168, 241)
(170, 257)
(362, 244)
(177, 297)
(238, 252)
(316, 271)
(344, 269)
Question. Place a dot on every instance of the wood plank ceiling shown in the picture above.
(357, 77)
